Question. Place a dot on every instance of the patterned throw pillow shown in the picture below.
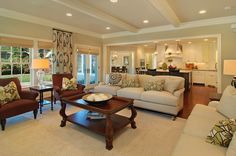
(115, 78)
(130, 83)
(8, 93)
(157, 85)
(222, 132)
(69, 84)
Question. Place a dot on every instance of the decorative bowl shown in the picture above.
(90, 98)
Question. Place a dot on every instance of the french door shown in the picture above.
(87, 72)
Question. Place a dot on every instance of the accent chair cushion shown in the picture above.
(222, 132)
(8, 93)
(227, 105)
(69, 84)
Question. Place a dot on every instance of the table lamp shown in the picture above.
(40, 65)
(230, 69)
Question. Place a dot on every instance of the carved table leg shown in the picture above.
(109, 133)
(63, 114)
(133, 115)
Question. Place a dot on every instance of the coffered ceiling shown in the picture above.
(92, 17)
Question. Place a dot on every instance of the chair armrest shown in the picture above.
(57, 89)
(177, 93)
(80, 87)
(26, 94)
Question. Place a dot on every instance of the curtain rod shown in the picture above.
(62, 30)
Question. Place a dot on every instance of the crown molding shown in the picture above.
(41, 21)
(186, 25)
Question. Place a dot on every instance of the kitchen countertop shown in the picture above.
(181, 71)
(202, 70)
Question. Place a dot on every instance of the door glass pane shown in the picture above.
(5, 54)
(6, 69)
(93, 69)
(81, 72)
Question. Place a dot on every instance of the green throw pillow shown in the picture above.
(8, 93)
(222, 132)
(69, 84)
(157, 85)
(129, 83)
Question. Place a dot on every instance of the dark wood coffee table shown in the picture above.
(107, 127)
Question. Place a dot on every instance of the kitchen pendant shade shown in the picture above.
(230, 67)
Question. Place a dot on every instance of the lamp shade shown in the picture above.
(230, 67)
(40, 64)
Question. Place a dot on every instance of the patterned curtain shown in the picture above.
(62, 52)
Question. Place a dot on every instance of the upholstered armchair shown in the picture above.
(59, 92)
(26, 103)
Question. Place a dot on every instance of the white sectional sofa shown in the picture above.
(199, 124)
(162, 101)
(193, 138)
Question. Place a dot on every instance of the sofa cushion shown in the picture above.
(231, 151)
(8, 93)
(194, 146)
(201, 121)
(106, 89)
(172, 84)
(162, 97)
(144, 78)
(133, 93)
(227, 105)
(222, 132)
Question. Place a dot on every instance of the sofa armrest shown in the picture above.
(177, 93)
(25, 94)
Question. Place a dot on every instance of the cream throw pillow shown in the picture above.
(227, 105)
(69, 84)
(231, 151)
(171, 85)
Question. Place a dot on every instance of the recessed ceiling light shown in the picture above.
(114, 1)
(108, 28)
(145, 21)
(69, 14)
(227, 7)
(189, 42)
(205, 39)
(202, 12)
(177, 40)
(166, 44)
(145, 45)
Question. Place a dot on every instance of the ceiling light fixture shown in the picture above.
(69, 14)
(145, 21)
(189, 42)
(108, 28)
(177, 40)
(145, 45)
(202, 12)
(205, 39)
(114, 1)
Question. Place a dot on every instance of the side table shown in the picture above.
(215, 96)
(41, 90)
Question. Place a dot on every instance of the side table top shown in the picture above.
(43, 88)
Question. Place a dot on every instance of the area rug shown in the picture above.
(156, 135)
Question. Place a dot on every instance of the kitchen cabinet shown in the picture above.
(206, 77)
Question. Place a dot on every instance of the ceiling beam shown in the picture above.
(96, 13)
(164, 8)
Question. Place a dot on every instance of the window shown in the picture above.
(47, 53)
(15, 62)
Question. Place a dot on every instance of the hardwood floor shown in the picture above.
(197, 95)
